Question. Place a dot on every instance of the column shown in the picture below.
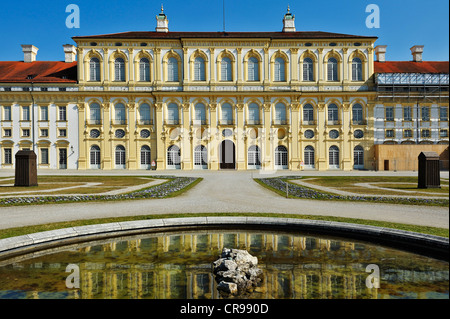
(266, 145)
(106, 141)
(157, 66)
(160, 138)
(240, 138)
(213, 146)
(294, 65)
(186, 142)
(321, 151)
(346, 148)
(132, 147)
(82, 160)
(294, 147)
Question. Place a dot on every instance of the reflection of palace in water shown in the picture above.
(301, 267)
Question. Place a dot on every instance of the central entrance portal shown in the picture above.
(227, 155)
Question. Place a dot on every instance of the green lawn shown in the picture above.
(40, 228)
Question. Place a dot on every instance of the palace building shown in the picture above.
(223, 100)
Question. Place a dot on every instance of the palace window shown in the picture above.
(199, 69)
(146, 158)
(357, 70)
(120, 116)
(8, 155)
(407, 133)
(308, 114)
(119, 68)
(172, 70)
(227, 114)
(309, 157)
(225, 70)
(144, 70)
(280, 74)
(280, 114)
(144, 114)
(334, 157)
(389, 113)
(44, 156)
(172, 113)
(281, 157)
(94, 113)
(94, 70)
(120, 157)
(357, 114)
(95, 156)
(308, 69)
(7, 113)
(407, 113)
(253, 113)
(253, 69)
(44, 113)
(332, 67)
(443, 113)
(254, 157)
(425, 113)
(333, 114)
(358, 157)
(200, 114)
(62, 113)
(25, 113)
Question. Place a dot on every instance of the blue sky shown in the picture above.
(402, 23)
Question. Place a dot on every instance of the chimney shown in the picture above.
(289, 22)
(162, 23)
(416, 52)
(29, 53)
(380, 51)
(70, 53)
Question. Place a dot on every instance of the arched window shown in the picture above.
(119, 69)
(357, 70)
(200, 114)
(333, 114)
(95, 157)
(94, 114)
(146, 158)
(172, 70)
(120, 114)
(173, 157)
(309, 157)
(253, 69)
(199, 69)
(334, 157)
(254, 157)
(120, 157)
(332, 66)
(358, 157)
(172, 113)
(200, 157)
(227, 114)
(253, 113)
(280, 74)
(281, 157)
(144, 113)
(357, 114)
(308, 114)
(225, 70)
(144, 70)
(280, 114)
(94, 69)
(308, 69)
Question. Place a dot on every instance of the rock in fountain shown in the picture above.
(236, 272)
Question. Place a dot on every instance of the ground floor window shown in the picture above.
(358, 157)
(173, 157)
(254, 157)
(309, 157)
(201, 157)
(120, 157)
(146, 159)
(95, 157)
(334, 157)
(281, 157)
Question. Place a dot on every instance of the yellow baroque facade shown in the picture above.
(214, 100)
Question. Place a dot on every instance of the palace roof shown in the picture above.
(412, 67)
(224, 35)
(38, 72)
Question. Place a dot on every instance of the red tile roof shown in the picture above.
(411, 67)
(42, 72)
(229, 35)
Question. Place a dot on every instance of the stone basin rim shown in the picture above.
(430, 245)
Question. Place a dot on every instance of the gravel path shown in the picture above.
(224, 191)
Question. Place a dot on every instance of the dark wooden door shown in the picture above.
(227, 155)
(386, 165)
